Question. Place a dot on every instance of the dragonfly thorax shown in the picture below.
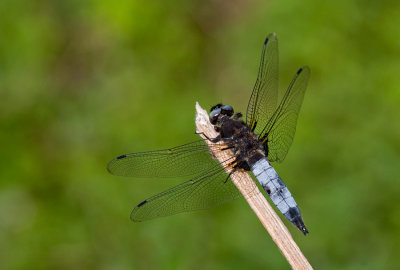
(246, 146)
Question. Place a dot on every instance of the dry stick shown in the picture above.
(255, 199)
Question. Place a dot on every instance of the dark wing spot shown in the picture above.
(121, 157)
(268, 191)
(254, 126)
(266, 41)
(299, 71)
(140, 204)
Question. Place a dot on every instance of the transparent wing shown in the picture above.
(184, 160)
(278, 134)
(263, 100)
(209, 189)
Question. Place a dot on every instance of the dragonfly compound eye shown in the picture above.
(214, 115)
(227, 110)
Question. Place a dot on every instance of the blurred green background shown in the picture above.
(84, 81)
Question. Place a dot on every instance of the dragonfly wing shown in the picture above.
(263, 100)
(207, 190)
(278, 133)
(184, 160)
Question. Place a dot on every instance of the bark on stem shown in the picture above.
(260, 206)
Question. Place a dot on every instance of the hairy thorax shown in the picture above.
(241, 140)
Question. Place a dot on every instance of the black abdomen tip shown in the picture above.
(294, 216)
(303, 229)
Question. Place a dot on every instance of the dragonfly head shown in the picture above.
(219, 111)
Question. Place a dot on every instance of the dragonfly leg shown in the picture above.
(214, 140)
(241, 164)
(229, 175)
(236, 164)
(228, 147)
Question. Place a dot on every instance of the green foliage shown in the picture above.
(84, 81)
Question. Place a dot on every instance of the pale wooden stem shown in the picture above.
(255, 198)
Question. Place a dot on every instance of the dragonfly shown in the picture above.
(262, 137)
